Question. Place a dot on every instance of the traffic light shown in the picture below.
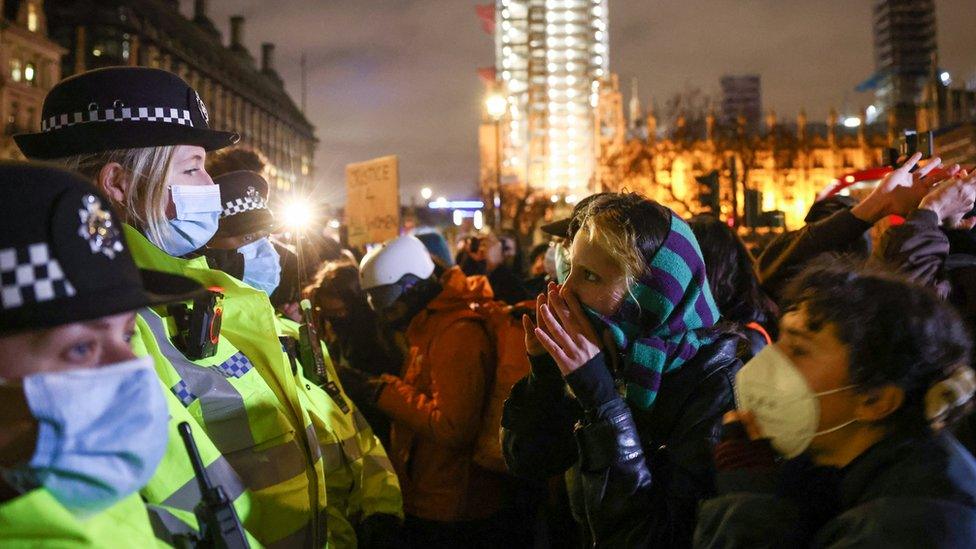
(708, 192)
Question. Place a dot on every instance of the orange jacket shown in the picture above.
(437, 403)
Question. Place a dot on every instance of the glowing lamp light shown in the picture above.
(296, 214)
(496, 105)
(946, 78)
(426, 193)
(458, 217)
(335, 224)
(479, 220)
(852, 122)
(554, 198)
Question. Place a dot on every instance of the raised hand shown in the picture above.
(899, 192)
(952, 199)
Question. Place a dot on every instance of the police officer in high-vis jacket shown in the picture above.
(83, 420)
(365, 506)
(142, 135)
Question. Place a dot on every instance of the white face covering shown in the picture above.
(786, 409)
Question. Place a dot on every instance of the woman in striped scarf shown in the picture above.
(632, 334)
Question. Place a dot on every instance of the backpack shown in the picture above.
(503, 323)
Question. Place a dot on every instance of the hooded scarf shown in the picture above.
(666, 316)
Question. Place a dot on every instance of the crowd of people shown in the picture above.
(173, 373)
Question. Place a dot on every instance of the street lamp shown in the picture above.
(426, 193)
(496, 105)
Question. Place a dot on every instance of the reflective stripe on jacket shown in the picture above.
(245, 400)
(359, 476)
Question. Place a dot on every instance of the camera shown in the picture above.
(198, 328)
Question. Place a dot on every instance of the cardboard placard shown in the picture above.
(373, 201)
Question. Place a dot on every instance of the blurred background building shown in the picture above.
(30, 63)
(241, 94)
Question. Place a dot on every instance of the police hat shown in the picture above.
(244, 203)
(62, 254)
(121, 108)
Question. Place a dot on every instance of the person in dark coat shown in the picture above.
(626, 348)
(936, 247)
(841, 435)
(732, 279)
(839, 225)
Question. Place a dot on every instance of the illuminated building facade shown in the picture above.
(550, 57)
(241, 95)
(776, 172)
(31, 64)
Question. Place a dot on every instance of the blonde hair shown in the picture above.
(148, 169)
(611, 234)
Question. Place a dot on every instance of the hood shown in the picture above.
(460, 291)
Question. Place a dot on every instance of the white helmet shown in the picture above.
(386, 264)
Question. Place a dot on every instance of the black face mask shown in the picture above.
(228, 261)
(410, 304)
(341, 325)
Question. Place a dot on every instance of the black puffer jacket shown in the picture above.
(635, 477)
(905, 491)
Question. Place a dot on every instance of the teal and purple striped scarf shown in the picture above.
(666, 317)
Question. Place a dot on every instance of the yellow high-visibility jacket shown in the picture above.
(358, 474)
(245, 399)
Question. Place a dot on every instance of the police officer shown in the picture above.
(142, 135)
(83, 420)
(363, 494)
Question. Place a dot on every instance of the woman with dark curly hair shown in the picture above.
(840, 438)
(735, 286)
(360, 348)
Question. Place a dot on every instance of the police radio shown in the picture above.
(198, 328)
(220, 527)
(312, 359)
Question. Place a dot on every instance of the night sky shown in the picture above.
(398, 76)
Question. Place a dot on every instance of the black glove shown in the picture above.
(360, 386)
(379, 531)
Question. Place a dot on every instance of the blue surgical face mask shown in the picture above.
(563, 263)
(197, 218)
(262, 266)
(101, 434)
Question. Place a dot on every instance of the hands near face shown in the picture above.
(563, 330)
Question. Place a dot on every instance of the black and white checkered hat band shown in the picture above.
(241, 205)
(124, 114)
(30, 275)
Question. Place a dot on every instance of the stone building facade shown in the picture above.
(30, 63)
(241, 94)
(781, 168)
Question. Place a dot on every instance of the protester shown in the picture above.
(844, 230)
(867, 373)
(435, 405)
(935, 247)
(485, 256)
(84, 421)
(439, 250)
(359, 345)
(732, 279)
(364, 504)
(635, 313)
(538, 277)
(233, 381)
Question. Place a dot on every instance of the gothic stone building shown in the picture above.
(782, 168)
